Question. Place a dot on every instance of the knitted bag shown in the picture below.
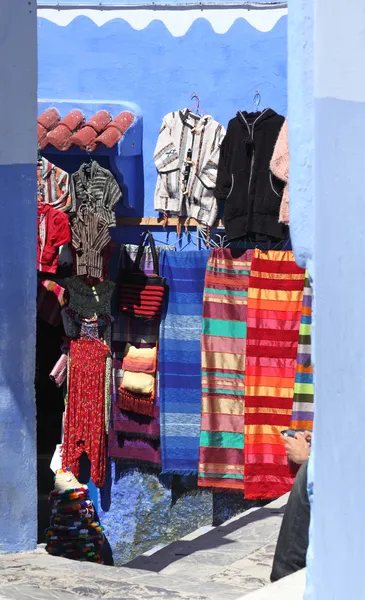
(142, 295)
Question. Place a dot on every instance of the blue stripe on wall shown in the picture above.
(17, 358)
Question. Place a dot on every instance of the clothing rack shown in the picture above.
(264, 246)
(159, 222)
(173, 222)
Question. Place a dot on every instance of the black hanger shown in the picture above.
(90, 160)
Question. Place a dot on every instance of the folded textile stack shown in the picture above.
(73, 533)
(137, 390)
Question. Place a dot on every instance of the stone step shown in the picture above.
(236, 555)
(225, 562)
(289, 588)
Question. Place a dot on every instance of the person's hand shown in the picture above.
(308, 437)
(297, 448)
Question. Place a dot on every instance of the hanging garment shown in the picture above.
(90, 328)
(53, 232)
(90, 235)
(303, 408)
(84, 426)
(134, 438)
(65, 258)
(252, 194)
(279, 165)
(97, 188)
(53, 185)
(221, 455)
(274, 305)
(186, 158)
(180, 360)
(50, 300)
(91, 303)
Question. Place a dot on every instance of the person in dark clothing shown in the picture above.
(292, 544)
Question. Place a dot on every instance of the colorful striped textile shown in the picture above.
(303, 410)
(141, 296)
(180, 360)
(221, 453)
(140, 360)
(274, 306)
(133, 438)
(138, 387)
(129, 424)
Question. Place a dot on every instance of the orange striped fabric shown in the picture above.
(274, 307)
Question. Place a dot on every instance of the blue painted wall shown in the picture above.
(302, 188)
(18, 78)
(158, 71)
(339, 109)
(328, 229)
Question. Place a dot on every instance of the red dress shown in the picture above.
(84, 426)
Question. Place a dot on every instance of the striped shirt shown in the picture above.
(96, 187)
(53, 185)
(90, 235)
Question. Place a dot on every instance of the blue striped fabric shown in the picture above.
(180, 360)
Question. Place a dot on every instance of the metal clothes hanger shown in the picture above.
(222, 240)
(196, 109)
(256, 100)
(166, 242)
(192, 238)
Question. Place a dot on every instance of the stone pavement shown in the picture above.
(214, 563)
(289, 588)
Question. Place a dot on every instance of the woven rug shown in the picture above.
(303, 409)
(273, 317)
(180, 360)
(221, 453)
(133, 438)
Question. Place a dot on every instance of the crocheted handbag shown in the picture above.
(142, 295)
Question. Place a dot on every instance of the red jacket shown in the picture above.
(53, 232)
